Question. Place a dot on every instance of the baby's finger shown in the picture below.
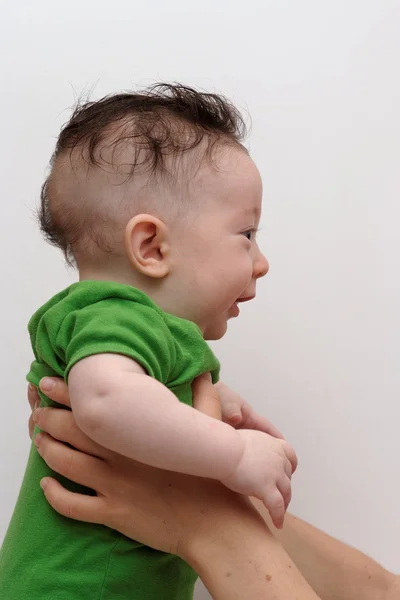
(206, 397)
(61, 425)
(74, 465)
(56, 389)
(288, 468)
(73, 505)
(285, 488)
(276, 507)
(291, 455)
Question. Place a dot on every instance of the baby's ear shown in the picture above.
(147, 246)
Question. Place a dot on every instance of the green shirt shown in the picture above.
(46, 556)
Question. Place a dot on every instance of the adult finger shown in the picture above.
(276, 506)
(232, 412)
(61, 425)
(74, 465)
(33, 397)
(206, 397)
(56, 389)
(31, 426)
(252, 420)
(71, 504)
(269, 428)
(34, 402)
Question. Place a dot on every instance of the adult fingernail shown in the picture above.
(236, 418)
(46, 384)
(43, 483)
(38, 439)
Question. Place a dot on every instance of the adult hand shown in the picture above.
(239, 414)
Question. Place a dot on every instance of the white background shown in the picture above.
(318, 350)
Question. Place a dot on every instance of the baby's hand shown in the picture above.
(240, 415)
(265, 471)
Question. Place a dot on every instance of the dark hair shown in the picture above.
(164, 120)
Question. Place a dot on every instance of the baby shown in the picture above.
(154, 198)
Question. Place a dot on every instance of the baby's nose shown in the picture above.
(261, 266)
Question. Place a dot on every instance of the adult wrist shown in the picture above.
(221, 531)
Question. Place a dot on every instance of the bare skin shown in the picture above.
(208, 522)
(219, 533)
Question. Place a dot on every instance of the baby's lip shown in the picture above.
(245, 299)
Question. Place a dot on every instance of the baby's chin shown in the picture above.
(216, 331)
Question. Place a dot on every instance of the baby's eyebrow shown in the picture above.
(251, 212)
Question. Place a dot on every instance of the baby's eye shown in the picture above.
(249, 234)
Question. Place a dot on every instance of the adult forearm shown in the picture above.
(334, 570)
(240, 558)
(393, 592)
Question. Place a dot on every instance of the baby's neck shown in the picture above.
(154, 288)
(112, 273)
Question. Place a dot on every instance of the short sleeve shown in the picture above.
(118, 326)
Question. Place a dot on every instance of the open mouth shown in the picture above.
(245, 299)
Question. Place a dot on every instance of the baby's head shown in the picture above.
(155, 190)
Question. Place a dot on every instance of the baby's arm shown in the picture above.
(123, 409)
